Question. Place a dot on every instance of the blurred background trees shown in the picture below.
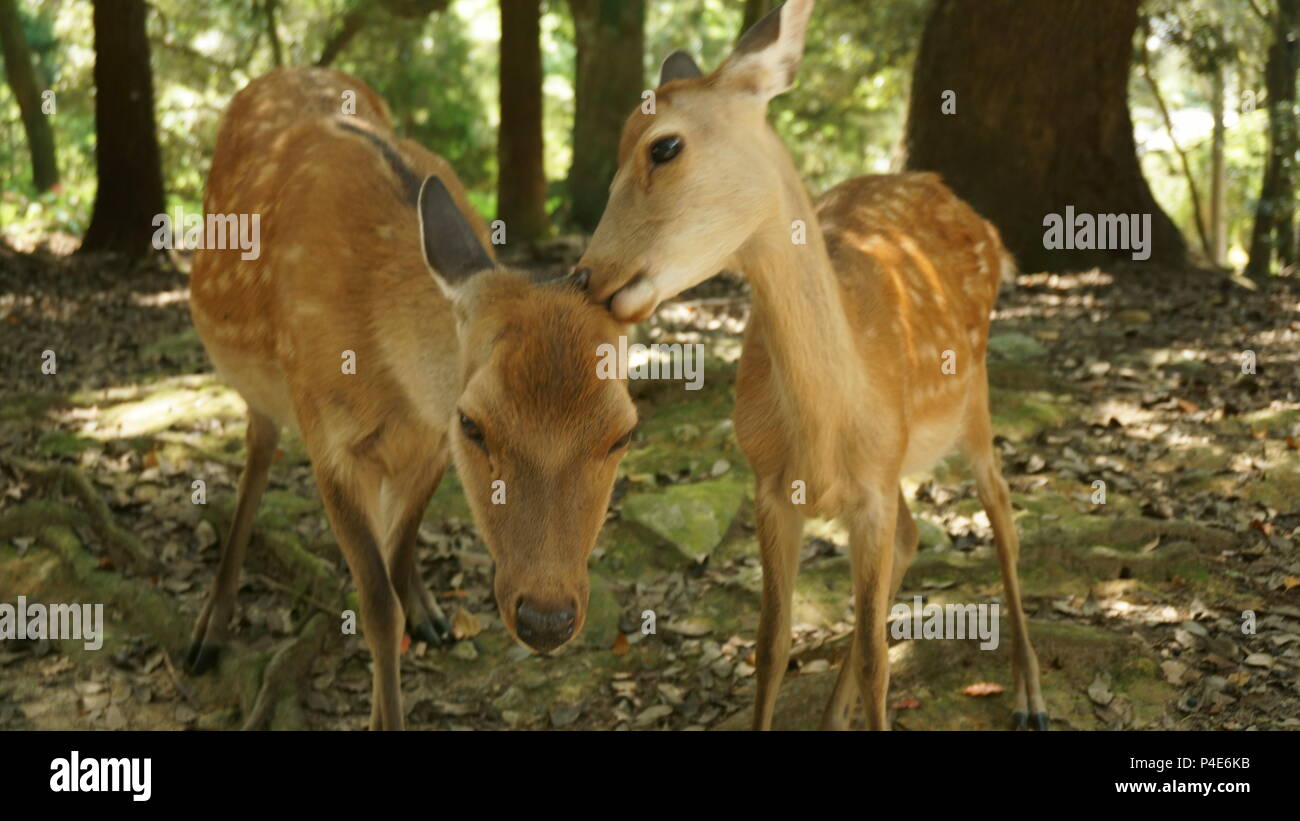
(1191, 101)
(27, 89)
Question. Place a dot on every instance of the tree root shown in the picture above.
(286, 670)
(123, 548)
(306, 574)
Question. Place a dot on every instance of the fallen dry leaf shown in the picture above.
(465, 625)
(621, 645)
(984, 688)
(907, 704)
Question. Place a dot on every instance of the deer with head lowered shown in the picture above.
(371, 256)
(859, 302)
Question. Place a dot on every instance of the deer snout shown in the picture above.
(628, 294)
(544, 627)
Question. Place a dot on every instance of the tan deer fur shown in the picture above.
(438, 358)
(841, 388)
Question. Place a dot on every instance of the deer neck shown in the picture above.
(797, 299)
(799, 320)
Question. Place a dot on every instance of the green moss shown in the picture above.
(1021, 414)
(692, 517)
(629, 552)
(54, 443)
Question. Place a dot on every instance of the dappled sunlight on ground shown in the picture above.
(1135, 602)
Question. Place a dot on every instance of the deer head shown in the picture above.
(700, 177)
(536, 435)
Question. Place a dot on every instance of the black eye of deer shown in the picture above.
(623, 441)
(664, 150)
(472, 431)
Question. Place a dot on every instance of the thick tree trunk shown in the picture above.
(130, 191)
(610, 37)
(521, 178)
(1041, 120)
(1275, 209)
(22, 80)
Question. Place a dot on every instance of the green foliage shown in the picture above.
(1187, 40)
(438, 73)
(844, 117)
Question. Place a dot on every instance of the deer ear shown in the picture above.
(451, 248)
(767, 57)
(678, 66)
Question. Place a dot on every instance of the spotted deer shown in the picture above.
(371, 255)
(858, 305)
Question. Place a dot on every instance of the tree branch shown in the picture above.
(1266, 18)
(348, 28)
(268, 9)
(1182, 155)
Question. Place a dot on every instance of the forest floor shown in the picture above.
(1173, 604)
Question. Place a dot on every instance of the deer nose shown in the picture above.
(543, 628)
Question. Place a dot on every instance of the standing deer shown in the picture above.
(370, 254)
(857, 305)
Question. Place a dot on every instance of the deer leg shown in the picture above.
(780, 527)
(906, 539)
(212, 625)
(839, 709)
(424, 619)
(871, 544)
(381, 609)
(977, 445)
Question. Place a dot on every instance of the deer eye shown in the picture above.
(472, 431)
(664, 150)
(623, 441)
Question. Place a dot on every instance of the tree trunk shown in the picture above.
(754, 11)
(351, 24)
(268, 11)
(1275, 209)
(22, 80)
(130, 191)
(610, 38)
(1218, 175)
(521, 177)
(1041, 121)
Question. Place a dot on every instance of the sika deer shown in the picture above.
(842, 385)
(370, 252)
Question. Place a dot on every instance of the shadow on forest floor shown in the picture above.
(1136, 605)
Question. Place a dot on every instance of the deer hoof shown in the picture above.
(1019, 720)
(432, 632)
(201, 657)
(1039, 721)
